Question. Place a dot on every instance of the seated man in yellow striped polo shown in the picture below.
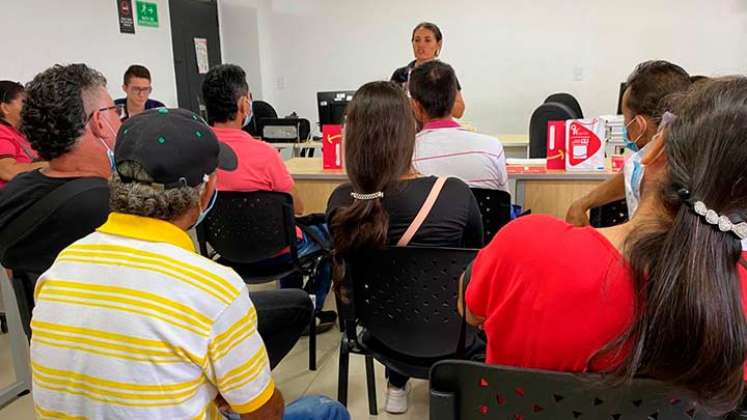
(130, 322)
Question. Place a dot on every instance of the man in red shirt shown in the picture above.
(260, 167)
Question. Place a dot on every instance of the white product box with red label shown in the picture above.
(584, 145)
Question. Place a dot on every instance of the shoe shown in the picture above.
(325, 321)
(396, 399)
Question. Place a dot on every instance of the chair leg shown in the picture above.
(342, 373)
(312, 342)
(371, 382)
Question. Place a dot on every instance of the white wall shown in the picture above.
(240, 39)
(40, 33)
(509, 55)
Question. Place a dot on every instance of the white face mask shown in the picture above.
(109, 151)
(249, 116)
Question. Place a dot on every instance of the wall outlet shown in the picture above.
(280, 82)
(578, 73)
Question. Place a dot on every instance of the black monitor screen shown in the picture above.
(332, 106)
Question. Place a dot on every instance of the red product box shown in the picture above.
(332, 153)
(556, 145)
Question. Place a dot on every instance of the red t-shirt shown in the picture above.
(551, 294)
(260, 167)
(14, 145)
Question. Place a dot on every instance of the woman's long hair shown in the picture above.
(689, 324)
(379, 138)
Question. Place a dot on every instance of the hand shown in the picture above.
(577, 214)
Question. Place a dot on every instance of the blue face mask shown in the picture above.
(205, 212)
(630, 144)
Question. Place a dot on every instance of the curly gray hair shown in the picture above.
(146, 199)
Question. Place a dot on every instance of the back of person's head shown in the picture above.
(223, 86)
(136, 70)
(144, 197)
(165, 160)
(652, 81)
(9, 91)
(433, 85)
(58, 103)
(379, 138)
(689, 327)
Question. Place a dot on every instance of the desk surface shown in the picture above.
(311, 169)
(510, 140)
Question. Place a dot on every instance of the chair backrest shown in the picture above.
(551, 111)
(405, 297)
(495, 207)
(568, 100)
(471, 390)
(611, 214)
(260, 109)
(246, 227)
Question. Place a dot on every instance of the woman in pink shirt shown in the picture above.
(16, 154)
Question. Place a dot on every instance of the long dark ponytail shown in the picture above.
(689, 327)
(379, 139)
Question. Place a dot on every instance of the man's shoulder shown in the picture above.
(152, 103)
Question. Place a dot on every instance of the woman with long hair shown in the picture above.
(385, 194)
(660, 296)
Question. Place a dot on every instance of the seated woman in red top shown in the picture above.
(661, 296)
(16, 154)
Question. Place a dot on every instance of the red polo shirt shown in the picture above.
(14, 145)
(551, 294)
(260, 167)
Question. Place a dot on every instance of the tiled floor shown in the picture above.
(292, 377)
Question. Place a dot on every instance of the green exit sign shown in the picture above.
(147, 14)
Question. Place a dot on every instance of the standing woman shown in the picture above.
(427, 41)
(16, 154)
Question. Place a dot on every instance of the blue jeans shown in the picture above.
(305, 246)
(310, 408)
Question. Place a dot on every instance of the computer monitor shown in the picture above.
(332, 106)
(623, 86)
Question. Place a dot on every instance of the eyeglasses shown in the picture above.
(119, 108)
(140, 91)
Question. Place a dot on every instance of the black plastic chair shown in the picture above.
(495, 207)
(403, 300)
(551, 111)
(568, 100)
(470, 390)
(245, 228)
(260, 109)
(611, 214)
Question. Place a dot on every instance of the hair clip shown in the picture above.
(371, 196)
(724, 223)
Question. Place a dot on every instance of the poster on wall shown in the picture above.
(126, 20)
(201, 52)
(147, 14)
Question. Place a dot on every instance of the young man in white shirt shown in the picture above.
(443, 147)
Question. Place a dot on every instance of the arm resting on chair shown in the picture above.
(471, 318)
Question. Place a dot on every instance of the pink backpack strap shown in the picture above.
(423, 213)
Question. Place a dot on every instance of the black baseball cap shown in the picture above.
(175, 147)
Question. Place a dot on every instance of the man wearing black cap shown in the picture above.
(130, 321)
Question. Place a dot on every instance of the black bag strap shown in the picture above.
(40, 211)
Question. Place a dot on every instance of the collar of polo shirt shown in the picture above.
(146, 229)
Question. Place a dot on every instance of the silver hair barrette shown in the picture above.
(371, 196)
(724, 223)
